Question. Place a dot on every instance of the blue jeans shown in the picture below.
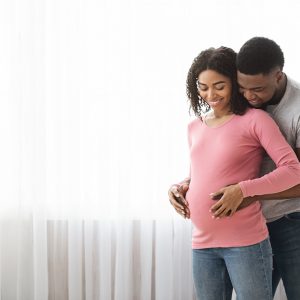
(285, 241)
(248, 269)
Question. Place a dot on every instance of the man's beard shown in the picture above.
(273, 101)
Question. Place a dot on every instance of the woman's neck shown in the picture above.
(214, 118)
(220, 114)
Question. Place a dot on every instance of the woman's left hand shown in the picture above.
(229, 202)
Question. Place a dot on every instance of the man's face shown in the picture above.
(259, 89)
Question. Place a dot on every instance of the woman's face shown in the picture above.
(215, 89)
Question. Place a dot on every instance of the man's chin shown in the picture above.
(256, 104)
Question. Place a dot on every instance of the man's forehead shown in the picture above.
(251, 81)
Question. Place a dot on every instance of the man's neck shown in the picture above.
(279, 94)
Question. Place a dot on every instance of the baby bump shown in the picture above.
(199, 205)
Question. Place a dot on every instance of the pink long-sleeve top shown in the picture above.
(232, 153)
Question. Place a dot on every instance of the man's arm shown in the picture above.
(231, 197)
(291, 193)
(229, 193)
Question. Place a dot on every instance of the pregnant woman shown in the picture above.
(227, 144)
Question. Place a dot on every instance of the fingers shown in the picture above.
(181, 209)
(180, 196)
(184, 189)
(177, 194)
(187, 215)
(215, 207)
(177, 205)
(230, 198)
(220, 210)
(217, 195)
(184, 213)
(178, 201)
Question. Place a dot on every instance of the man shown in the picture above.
(261, 79)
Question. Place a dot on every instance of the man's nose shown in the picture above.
(249, 95)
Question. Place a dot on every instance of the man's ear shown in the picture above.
(279, 76)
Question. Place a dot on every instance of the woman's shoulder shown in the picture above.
(257, 120)
(195, 122)
(194, 125)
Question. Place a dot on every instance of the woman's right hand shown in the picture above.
(231, 198)
(177, 199)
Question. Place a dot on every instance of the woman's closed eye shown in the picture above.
(219, 87)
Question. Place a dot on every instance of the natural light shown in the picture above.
(94, 114)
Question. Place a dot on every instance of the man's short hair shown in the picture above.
(259, 55)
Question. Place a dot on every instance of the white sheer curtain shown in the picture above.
(93, 118)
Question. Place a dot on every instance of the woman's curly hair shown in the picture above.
(223, 61)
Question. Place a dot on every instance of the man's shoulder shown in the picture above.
(293, 90)
(290, 103)
(293, 83)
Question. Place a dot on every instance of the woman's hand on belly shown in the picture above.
(228, 204)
